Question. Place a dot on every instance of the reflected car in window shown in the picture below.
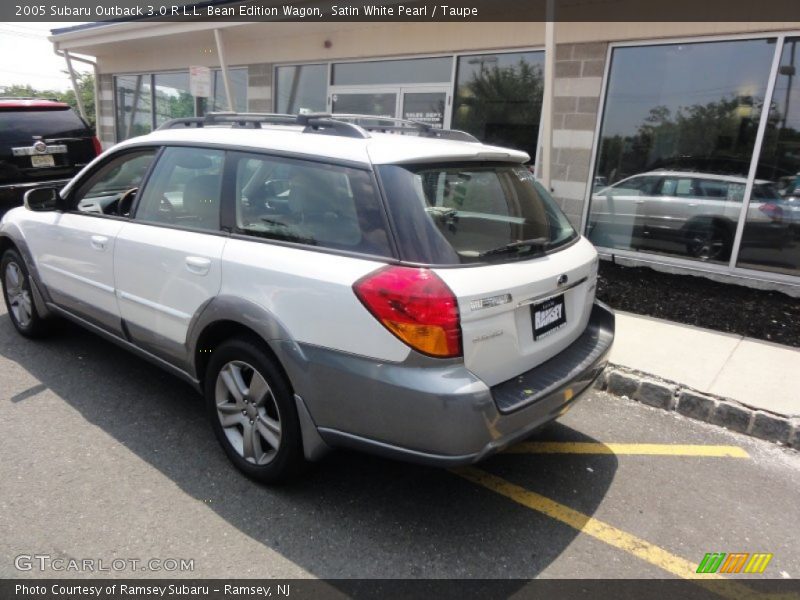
(696, 211)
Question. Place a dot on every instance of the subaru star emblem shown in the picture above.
(562, 279)
(40, 147)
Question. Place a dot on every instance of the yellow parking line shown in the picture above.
(643, 449)
(608, 534)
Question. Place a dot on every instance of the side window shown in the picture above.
(184, 189)
(309, 203)
(679, 186)
(118, 179)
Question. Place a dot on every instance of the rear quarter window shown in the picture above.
(316, 204)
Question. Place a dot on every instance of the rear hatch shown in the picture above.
(523, 278)
(41, 141)
(516, 316)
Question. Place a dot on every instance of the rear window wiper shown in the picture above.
(535, 244)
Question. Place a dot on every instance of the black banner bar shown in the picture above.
(397, 589)
(787, 11)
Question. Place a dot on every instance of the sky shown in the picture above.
(27, 57)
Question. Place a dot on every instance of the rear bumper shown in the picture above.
(443, 415)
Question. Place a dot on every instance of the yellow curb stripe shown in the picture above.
(609, 534)
(642, 449)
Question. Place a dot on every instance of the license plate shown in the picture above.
(548, 316)
(45, 160)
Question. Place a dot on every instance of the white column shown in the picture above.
(223, 65)
(75, 87)
(547, 102)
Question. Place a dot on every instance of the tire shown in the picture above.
(258, 429)
(19, 296)
(709, 242)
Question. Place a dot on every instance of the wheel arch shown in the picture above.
(226, 317)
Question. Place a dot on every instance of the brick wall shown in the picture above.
(105, 100)
(259, 87)
(578, 79)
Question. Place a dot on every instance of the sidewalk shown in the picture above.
(760, 377)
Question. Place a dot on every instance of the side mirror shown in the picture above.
(42, 199)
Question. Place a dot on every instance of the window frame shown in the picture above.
(77, 191)
(224, 191)
(730, 269)
(229, 221)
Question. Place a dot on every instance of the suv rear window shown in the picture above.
(468, 213)
(23, 124)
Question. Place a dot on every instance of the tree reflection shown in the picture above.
(502, 104)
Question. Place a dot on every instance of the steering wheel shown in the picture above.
(125, 202)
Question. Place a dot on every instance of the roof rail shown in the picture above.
(393, 124)
(312, 122)
(344, 125)
(249, 120)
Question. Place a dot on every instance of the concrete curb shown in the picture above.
(668, 395)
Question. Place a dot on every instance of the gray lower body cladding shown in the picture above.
(437, 412)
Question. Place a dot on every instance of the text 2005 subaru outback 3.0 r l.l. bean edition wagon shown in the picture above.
(325, 281)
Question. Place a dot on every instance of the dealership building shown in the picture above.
(670, 144)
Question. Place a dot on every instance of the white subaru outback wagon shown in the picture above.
(325, 281)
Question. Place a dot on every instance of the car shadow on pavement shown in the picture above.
(350, 516)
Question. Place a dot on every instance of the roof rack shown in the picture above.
(312, 122)
(344, 125)
(402, 126)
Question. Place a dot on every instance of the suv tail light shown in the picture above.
(98, 147)
(416, 306)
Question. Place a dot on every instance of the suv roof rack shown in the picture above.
(313, 122)
(344, 125)
(402, 126)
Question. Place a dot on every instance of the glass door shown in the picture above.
(423, 103)
(380, 102)
(426, 105)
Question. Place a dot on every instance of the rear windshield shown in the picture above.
(23, 124)
(468, 213)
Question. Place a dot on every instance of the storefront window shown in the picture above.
(675, 147)
(414, 70)
(771, 238)
(139, 111)
(172, 97)
(301, 88)
(499, 98)
(134, 106)
(218, 100)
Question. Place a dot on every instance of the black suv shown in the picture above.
(42, 142)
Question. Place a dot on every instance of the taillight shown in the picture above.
(98, 147)
(416, 306)
(772, 210)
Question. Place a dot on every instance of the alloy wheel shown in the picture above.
(19, 296)
(248, 412)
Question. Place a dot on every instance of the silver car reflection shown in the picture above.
(694, 213)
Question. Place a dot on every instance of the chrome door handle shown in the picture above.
(98, 242)
(197, 265)
(639, 201)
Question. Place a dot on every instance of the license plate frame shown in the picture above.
(43, 160)
(548, 316)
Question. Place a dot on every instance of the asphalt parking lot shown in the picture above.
(104, 456)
